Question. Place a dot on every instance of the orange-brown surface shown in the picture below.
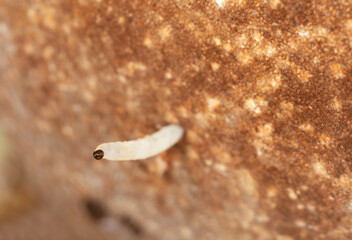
(262, 89)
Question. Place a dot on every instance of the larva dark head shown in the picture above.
(98, 154)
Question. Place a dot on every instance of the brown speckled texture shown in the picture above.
(263, 90)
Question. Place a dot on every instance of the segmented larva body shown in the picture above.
(142, 148)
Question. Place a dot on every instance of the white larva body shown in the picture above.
(142, 148)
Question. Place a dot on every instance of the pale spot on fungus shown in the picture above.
(109, 10)
(219, 167)
(88, 96)
(262, 142)
(272, 192)
(274, 3)
(247, 182)
(168, 75)
(257, 36)
(324, 139)
(244, 57)
(242, 40)
(263, 218)
(48, 52)
(92, 83)
(286, 105)
(220, 3)
(131, 68)
(193, 137)
(269, 82)
(310, 207)
(227, 47)
(183, 111)
(283, 237)
(320, 31)
(157, 166)
(122, 79)
(148, 42)
(303, 75)
(225, 157)
(349, 206)
(191, 26)
(338, 70)
(121, 20)
(307, 128)
(251, 105)
(217, 41)
(286, 109)
(67, 131)
(344, 181)
(300, 206)
(202, 119)
(291, 194)
(28, 48)
(269, 50)
(255, 105)
(320, 170)
(336, 104)
(191, 153)
(212, 103)
(215, 66)
(208, 162)
(303, 33)
(32, 14)
(300, 223)
(240, 3)
(42, 14)
(98, 19)
(348, 25)
(171, 117)
(165, 32)
(265, 131)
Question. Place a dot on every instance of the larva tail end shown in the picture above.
(98, 154)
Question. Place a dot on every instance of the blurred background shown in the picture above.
(262, 88)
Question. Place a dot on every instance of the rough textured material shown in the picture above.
(262, 89)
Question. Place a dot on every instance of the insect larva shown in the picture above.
(142, 148)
